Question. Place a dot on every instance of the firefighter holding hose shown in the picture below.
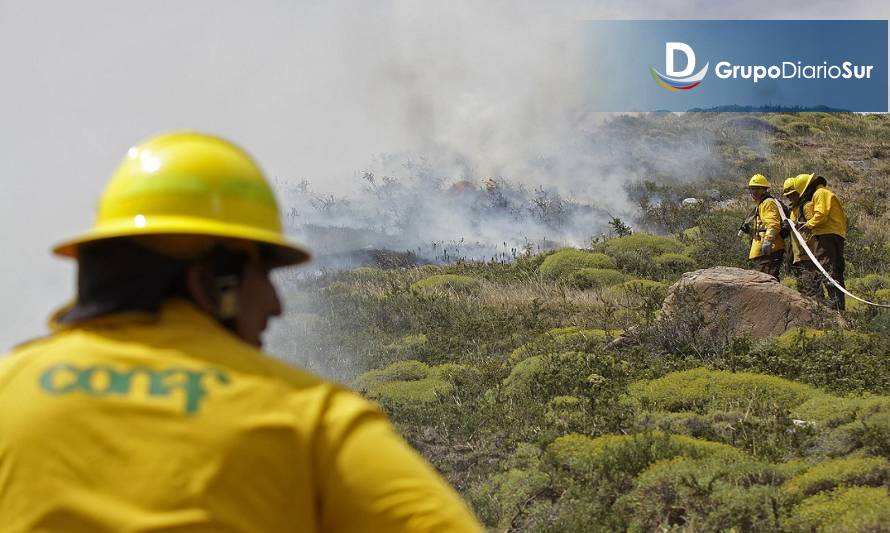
(764, 226)
(151, 406)
(826, 228)
(803, 268)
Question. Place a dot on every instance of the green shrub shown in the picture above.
(640, 289)
(449, 282)
(567, 413)
(499, 499)
(692, 234)
(594, 278)
(828, 411)
(718, 243)
(703, 495)
(674, 262)
(796, 336)
(854, 509)
(682, 422)
(641, 244)
(410, 393)
(828, 475)
(406, 347)
(457, 374)
(571, 338)
(579, 453)
(868, 284)
(568, 260)
(835, 360)
(542, 376)
(702, 390)
(399, 371)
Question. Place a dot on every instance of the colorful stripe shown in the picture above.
(670, 85)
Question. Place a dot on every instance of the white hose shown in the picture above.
(816, 262)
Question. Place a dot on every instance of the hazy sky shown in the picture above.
(315, 89)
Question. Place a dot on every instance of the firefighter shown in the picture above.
(765, 228)
(827, 229)
(803, 268)
(150, 406)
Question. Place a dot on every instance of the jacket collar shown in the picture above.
(173, 311)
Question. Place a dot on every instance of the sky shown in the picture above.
(316, 90)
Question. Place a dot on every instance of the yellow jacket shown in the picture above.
(138, 423)
(767, 222)
(828, 214)
(797, 251)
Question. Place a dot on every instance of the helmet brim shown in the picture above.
(285, 253)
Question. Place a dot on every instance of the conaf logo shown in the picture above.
(678, 80)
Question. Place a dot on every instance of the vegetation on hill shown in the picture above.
(504, 375)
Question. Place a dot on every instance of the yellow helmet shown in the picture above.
(796, 184)
(758, 180)
(189, 185)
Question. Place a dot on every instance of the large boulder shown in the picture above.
(741, 302)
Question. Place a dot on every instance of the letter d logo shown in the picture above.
(678, 80)
(669, 51)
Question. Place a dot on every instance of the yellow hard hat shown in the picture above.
(758, 180)
(796, 184)
(189, 185)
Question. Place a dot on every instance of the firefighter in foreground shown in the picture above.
(765, 228)
(151, 405)
(803, 268)
(826, 229)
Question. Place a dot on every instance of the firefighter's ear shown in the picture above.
(198, 283)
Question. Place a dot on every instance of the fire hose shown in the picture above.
(812, 256)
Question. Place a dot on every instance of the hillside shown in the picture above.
(502, 373)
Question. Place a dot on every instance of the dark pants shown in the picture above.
(829, 250)
(808, 279)
(771, 264)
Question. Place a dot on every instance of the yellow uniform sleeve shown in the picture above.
(371, 480)
(828, 214)
(769, 215)
(821, 207)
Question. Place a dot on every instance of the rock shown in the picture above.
(741, 302)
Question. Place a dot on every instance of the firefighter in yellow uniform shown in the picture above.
(827, 228)
(807, 275)
(765, 226)
(151, 406)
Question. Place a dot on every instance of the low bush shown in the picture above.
(673, 263)
(704, 495)
(855, 509)
(595, 278)
(561, 264)
(571, 338)
(447, 282)
(702, 390)
(580, 455)
(399, 371)
(410, 393)
(592, 474)
(831, 474)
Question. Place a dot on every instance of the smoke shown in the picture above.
(440, 207)
(315, 90)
